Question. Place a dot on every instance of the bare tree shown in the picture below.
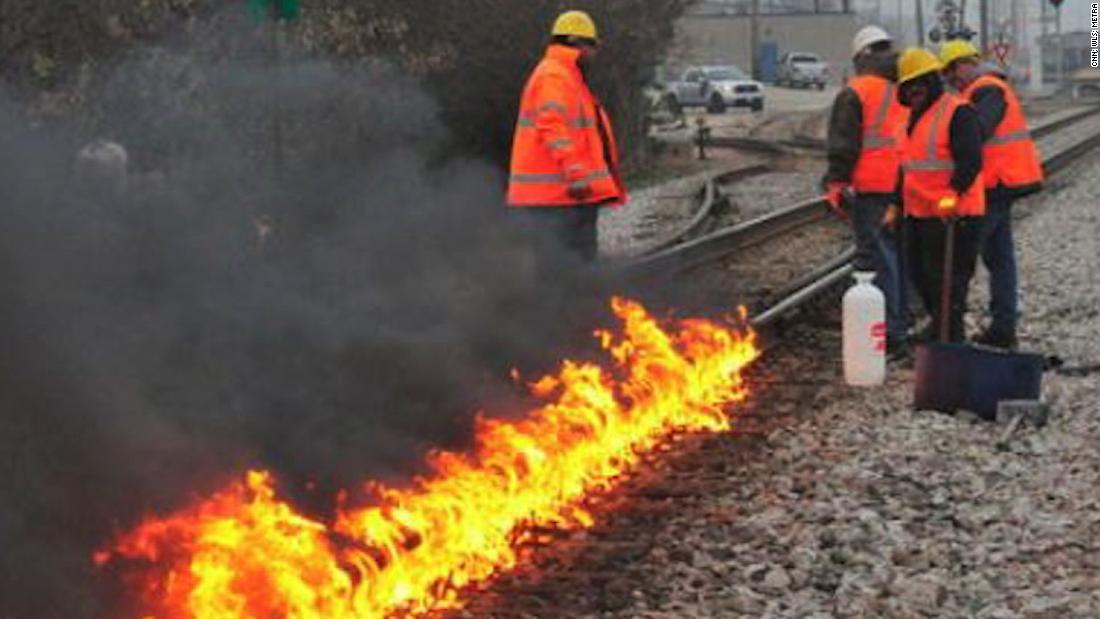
(473, 55)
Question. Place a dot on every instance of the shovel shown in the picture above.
(950, 376)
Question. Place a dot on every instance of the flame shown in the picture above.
(244, 553)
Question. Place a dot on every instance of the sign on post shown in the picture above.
(1001, 51)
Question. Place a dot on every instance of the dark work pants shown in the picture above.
(998, 253)
(926, 239)
(877, 252)
(561, 233)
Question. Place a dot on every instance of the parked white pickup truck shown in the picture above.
(715, 88)
(802, 69)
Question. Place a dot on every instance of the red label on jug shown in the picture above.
(878, 335)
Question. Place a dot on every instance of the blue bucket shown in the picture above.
(952, 377)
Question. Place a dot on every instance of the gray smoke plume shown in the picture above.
(329, 309)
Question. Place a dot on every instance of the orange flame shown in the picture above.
(245, 553)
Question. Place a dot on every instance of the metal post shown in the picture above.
(1036, 50)
(1061, 46)
(983, 25)
(900, 31)
(1014, 17)
(754, 40)
(920, 22)
(702, 136)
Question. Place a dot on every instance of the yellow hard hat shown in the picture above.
(915, 62)
(957, 49)
(575, 24)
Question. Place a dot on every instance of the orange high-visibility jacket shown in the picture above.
(1009, 157)
(557, 141)
(928, 165)
(884, 122)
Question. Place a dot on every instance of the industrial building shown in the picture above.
(721, 32)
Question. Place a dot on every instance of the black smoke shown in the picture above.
(300, 275)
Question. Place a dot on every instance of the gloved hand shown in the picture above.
(834, 195)
(948, 206)
(890, 217)
(579, 190)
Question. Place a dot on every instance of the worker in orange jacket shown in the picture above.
(864, 152)
(565, 162)
(1012, 169)
(942, 186)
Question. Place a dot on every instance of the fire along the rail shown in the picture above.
(244, 552)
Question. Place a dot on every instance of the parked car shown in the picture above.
(802, 69)
(716, 88)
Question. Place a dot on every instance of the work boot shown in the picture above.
(997, 338)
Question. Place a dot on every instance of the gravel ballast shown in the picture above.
(866, 508)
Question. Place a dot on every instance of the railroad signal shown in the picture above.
(284, 10)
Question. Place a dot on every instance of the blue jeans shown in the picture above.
(999, 257)
(877, 251)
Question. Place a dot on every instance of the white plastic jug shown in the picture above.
(864, 333)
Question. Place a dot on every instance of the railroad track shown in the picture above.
(814, 147)
(710, 203)
(593, 573)
(840, 269)
(716, 246)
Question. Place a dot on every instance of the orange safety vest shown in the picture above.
(1009, 157)
(884, 121)
(928, 164)
(557, 140)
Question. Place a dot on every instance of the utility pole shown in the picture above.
(900, 31)
(920, 22)
(1036, 47)
(1014, 17)
(1061, 46)
(983, 25)
(754, 40)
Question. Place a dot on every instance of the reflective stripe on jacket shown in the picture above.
(558, 139)
(1010, 156)
(928, 165)
(884, 121)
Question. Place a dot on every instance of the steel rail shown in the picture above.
(1050, 126)
(816, 146)
(803, 296)
(712, 197)
(717, 244)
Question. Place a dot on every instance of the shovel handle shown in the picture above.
(947, 281)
